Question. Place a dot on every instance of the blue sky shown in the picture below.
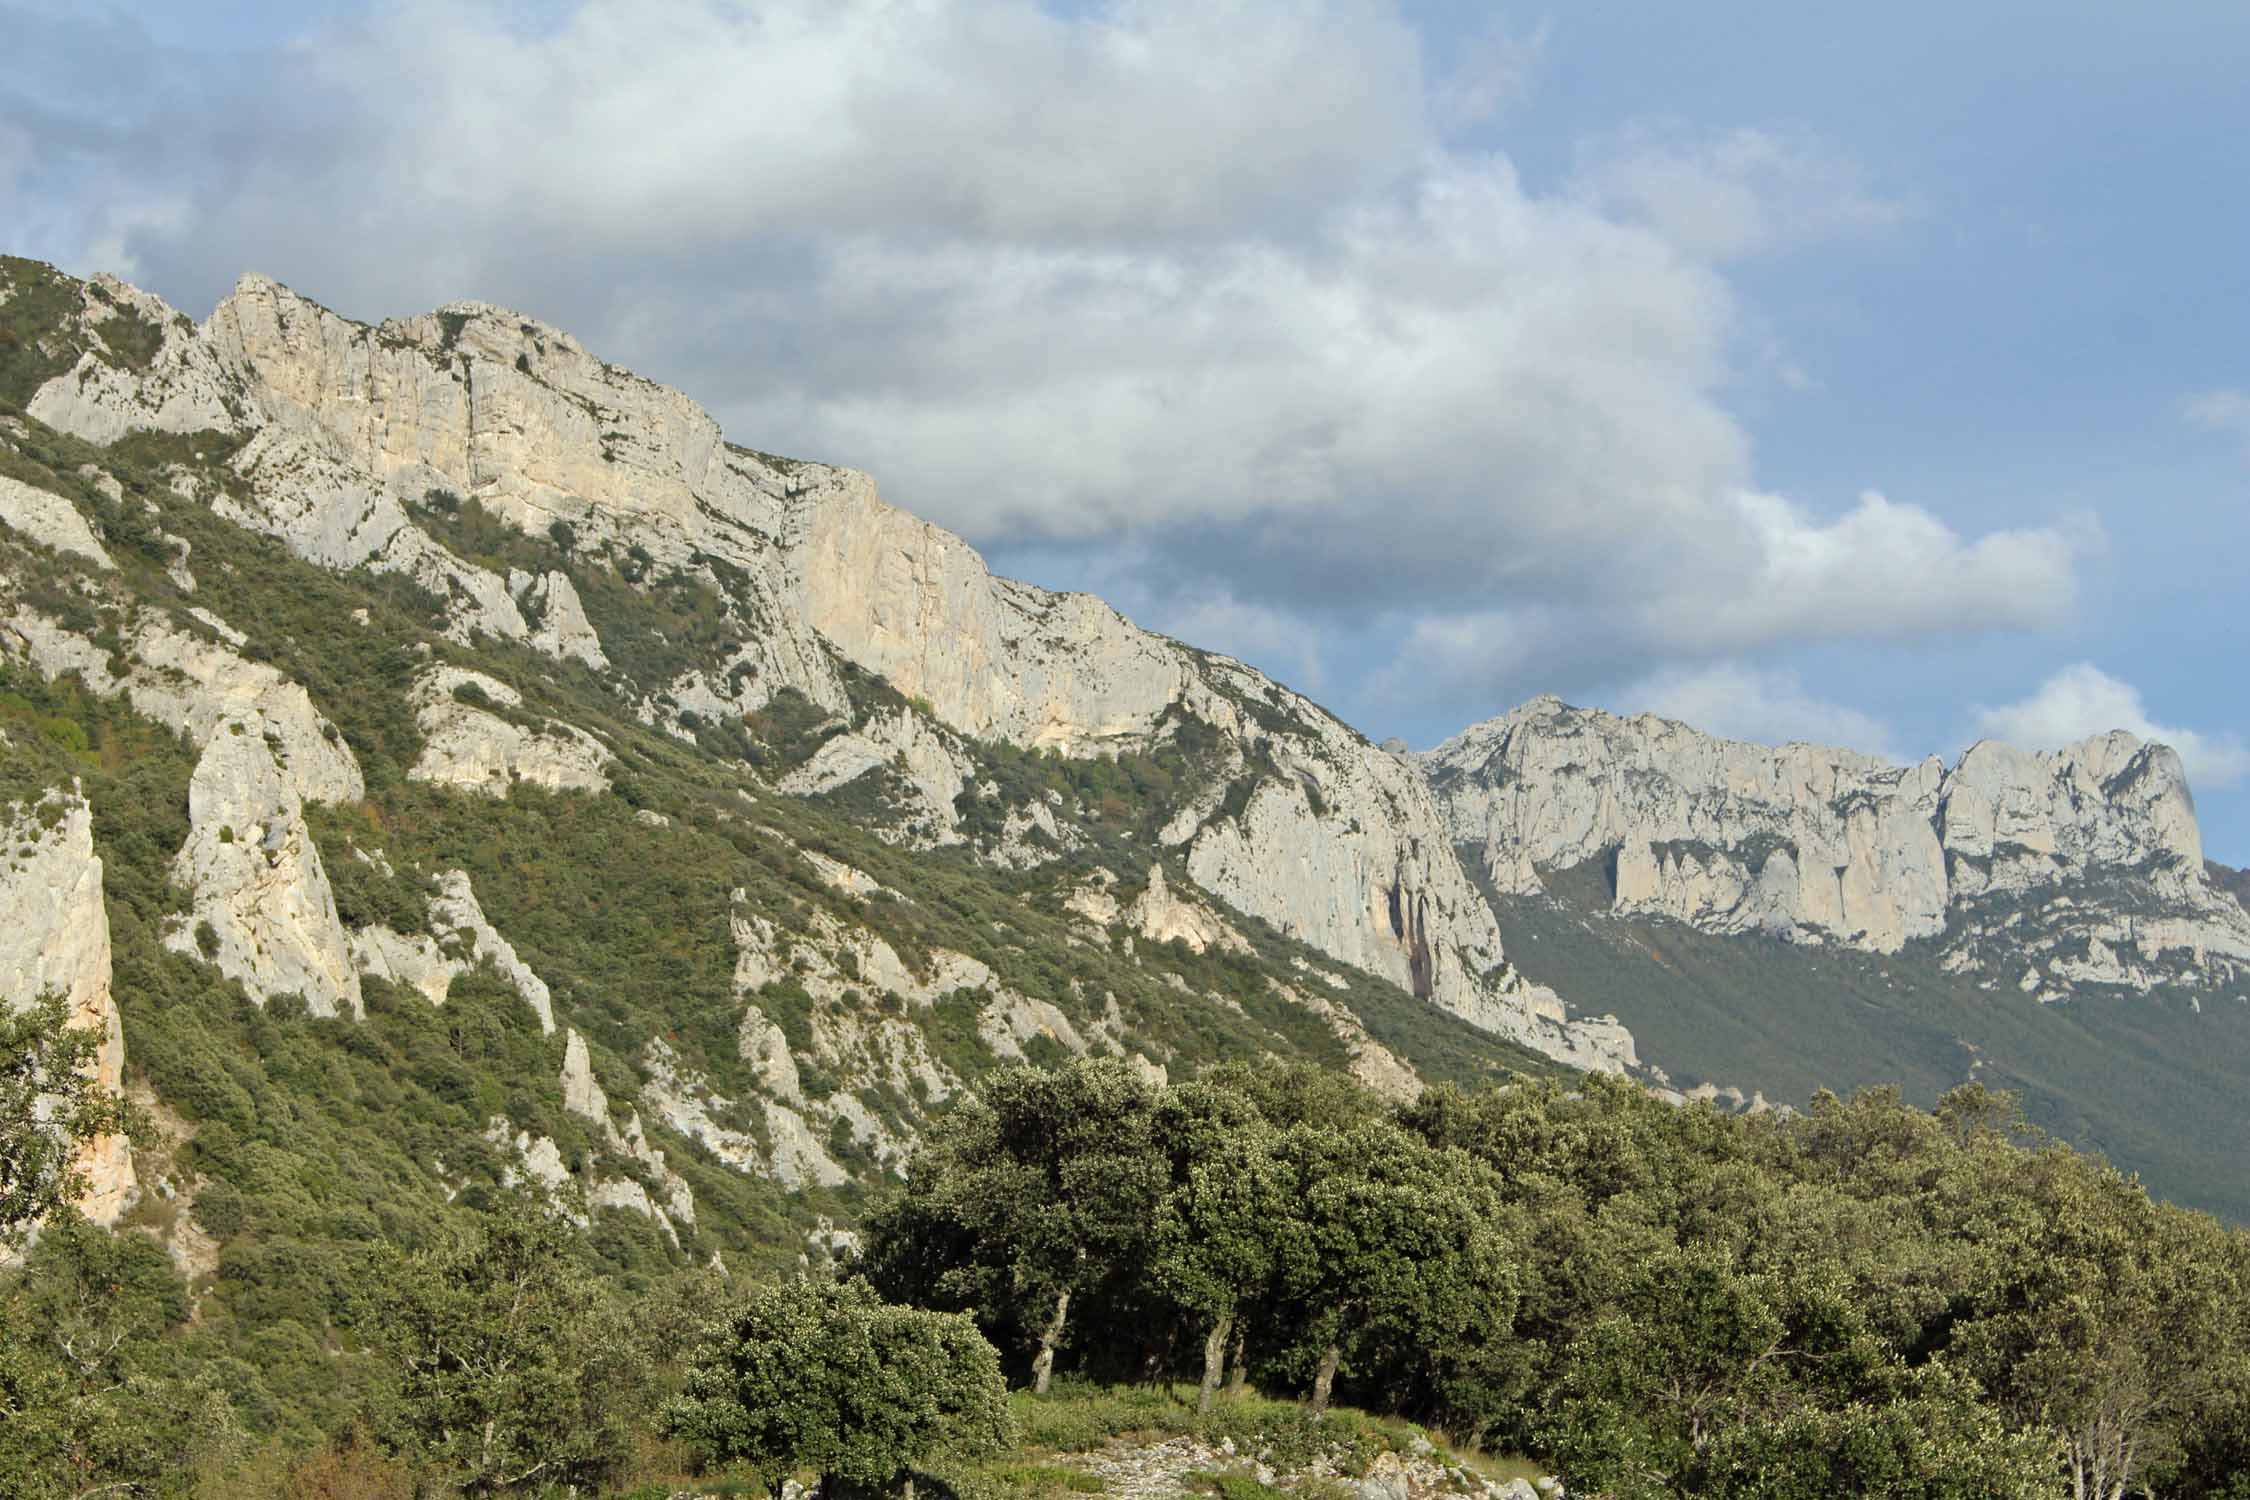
(1429, 356)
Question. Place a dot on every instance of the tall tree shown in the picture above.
(510, 1371)
(92, 1399)
(1036, 1191)
(50, 1106)
(1392, 1253)
(1213, 1253)
(829, 1377)
(2097, 1315)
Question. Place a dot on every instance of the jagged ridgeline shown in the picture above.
(1796, 918)
(465, 766)
(452, 764)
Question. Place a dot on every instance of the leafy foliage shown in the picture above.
(49, 1108)
(827, 1377)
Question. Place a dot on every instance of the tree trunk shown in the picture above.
(1325, 1378)
(1240, 1371)
(906, 1490)
(1043, 1368)
(1214, 1362)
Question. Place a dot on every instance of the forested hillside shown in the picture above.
(540, 876)
(1641, 1299)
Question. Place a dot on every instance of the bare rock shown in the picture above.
(475, 749)
(263, 909)
(50, 520)
(54, 936)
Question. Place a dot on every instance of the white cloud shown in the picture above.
(1881, 569)
(1738, 701)
(2225, 411)
(1280, 639)
(1200, 285)
(2082, 700)
(1490, 71)
(1744, 192)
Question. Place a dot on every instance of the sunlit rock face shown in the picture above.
(54, 938)
(1827, 845)
(344, 433)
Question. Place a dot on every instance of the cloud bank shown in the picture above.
(2083, 700)
(1216, 287)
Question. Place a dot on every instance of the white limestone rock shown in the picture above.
(345, 425)
(1008, 1020)
(849, 879)
(1163, 917)
(184, 387)
(260, 890)
(1367, 879)
(460, 938)
(54, 937)
(930, 769)
(476, 750)
(765, 1047)
(1372, 1063)
(1801, 841)
(562, 630)
(685, 1102)
(583, 1096)
(194, 687)
(51, 521)
(2110, 819)
(1824, 845)
(456, 915)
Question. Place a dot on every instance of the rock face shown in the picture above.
(560, 627)
(263, 909)
(1337, 844)
(344, 426)
(49, 520)
(197, 686)
(1822, 845)
(929, 769)
(458, 940)
(54, 936)
(472, 747)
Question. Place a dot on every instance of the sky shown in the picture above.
(1873, 376)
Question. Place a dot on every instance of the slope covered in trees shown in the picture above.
(1865, 1299)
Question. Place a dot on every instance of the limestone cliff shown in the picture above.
(263, 911)
(343, 434)
(1825, 845)
(54, 936)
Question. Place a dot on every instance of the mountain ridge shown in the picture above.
(577, 593)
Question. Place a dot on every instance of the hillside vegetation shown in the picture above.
(1645, 1300)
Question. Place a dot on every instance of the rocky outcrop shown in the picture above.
(1162, 917)
(1733, 837)
(1337, 844)
(559, 625)
(197, 686)
(344, 428)
(1825, 845)
(1372, 1063)
(467, 744)
(459, 939)
(263, 911)
(583, 1096)
(792, 1154)
(49, 520)
(180, 387)
(54, 938)
(927, 770)
(2084, 866)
